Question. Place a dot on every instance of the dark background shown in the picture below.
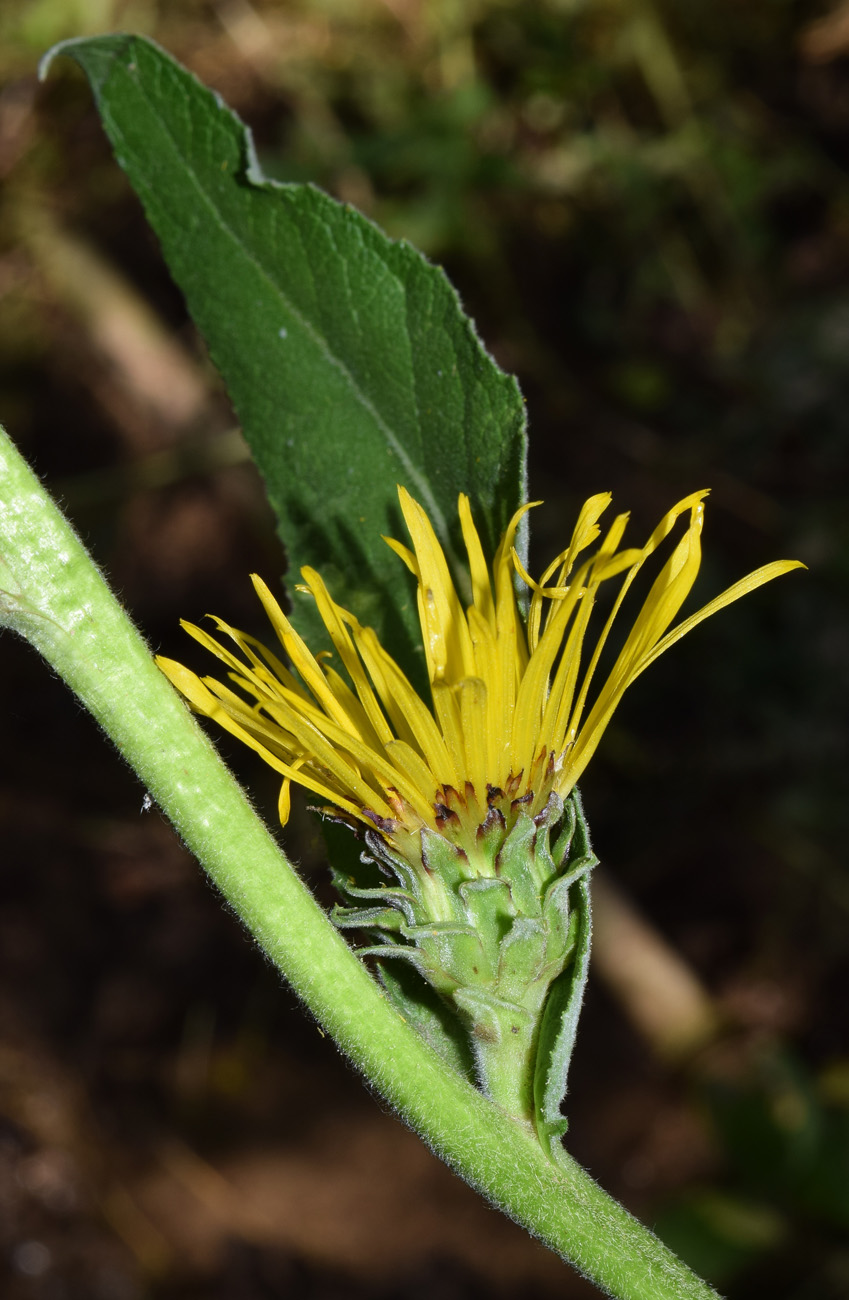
(646, 209)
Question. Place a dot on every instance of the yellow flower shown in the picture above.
(517, 709)
(467, 802)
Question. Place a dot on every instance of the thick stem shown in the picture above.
(52, 593)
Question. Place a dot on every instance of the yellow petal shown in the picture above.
(446, 636)
(345, 648)
(742, 588)
(481, 587)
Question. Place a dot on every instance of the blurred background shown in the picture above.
(645, 207)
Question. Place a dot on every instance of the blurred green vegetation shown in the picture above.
(646, 209)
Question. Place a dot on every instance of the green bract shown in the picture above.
(496, 917)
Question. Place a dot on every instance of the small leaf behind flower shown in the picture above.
(565, 999)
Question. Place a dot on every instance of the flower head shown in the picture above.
(467, 803)
(516, 708)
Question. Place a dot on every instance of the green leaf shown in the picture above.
(348, 357)
(558, 1030)
(565, 999)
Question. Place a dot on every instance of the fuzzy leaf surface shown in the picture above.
(348, 357)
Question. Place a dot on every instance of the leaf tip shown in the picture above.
(84, 51)
(54, 52)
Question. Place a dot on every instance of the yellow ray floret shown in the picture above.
(515, 701)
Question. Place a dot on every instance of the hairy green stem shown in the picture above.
(52, 594)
